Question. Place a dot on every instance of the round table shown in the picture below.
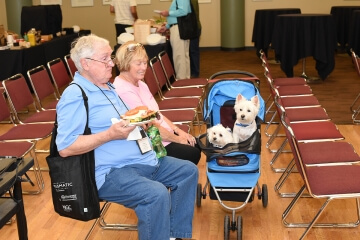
(264, 25)
(297, 36)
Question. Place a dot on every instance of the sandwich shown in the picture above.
(140, 114)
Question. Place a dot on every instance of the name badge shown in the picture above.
(144, 143)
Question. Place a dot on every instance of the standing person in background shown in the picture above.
(194, 45)
(180, 47)
(125, 14)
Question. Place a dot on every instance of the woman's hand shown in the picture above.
(187, 138)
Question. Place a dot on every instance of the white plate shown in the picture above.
(140, 123)
(129, 29)
(125, 37)
(153, 39)
(157, 11)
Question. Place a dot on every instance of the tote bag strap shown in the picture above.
(86, 107)
(87, 131)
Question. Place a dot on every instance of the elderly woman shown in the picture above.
(132, 62)
(125, 172)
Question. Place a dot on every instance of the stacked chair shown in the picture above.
(181, 111)
(170, 75)
(327, 164)
(20, 98)
(172, 99)
(22, 138)
(70, 65)
(43, 88)
(59, 74)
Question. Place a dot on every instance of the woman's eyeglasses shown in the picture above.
(134, 46)
(107, 63)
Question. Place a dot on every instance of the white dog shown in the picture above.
(219, 136)
(246, 112)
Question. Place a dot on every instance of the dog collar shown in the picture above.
(242, 125)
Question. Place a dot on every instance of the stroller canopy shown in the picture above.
(227, 90)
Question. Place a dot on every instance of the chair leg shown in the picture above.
(313, 223)
(38, 176)
(284, 176)
(107, 226)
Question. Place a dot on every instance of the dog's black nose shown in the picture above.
(242, 116)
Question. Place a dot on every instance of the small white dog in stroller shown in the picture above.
(219, 136)
(246, 112)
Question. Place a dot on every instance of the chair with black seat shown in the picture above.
(59, 74)
(328, 182)
(70, 65)
(43, 88)
(172, 81)
(20, 97)
(20, 150)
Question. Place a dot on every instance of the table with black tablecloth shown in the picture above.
(264, 24)
(354, 37)
(342, 17)
(21, 60)
(14, 206)
(297, 36)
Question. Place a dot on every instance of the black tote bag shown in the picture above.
(188, 27)
(73, 186)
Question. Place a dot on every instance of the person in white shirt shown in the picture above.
(125, 14)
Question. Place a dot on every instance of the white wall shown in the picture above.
(98, 19)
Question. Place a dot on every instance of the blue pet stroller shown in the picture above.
(237, 178)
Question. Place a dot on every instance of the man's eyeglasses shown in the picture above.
(134, 46)
(106, 63)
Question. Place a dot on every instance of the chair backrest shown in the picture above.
(5, 113)
(293, 144)
(167, 66)
(151, 81)
(265, 64)
(41, 84)
(356, 61)
(59, 74)
(19, 94)
(159, 73)
(70, 65)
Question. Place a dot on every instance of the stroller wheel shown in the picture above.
(226, 227)
(198, 195)
(239, 228)
(264, 195)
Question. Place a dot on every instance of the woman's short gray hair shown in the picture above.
(83, 47)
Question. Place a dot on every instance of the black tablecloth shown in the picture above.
(20, 61)
(297, 36)
(46, 18)
(264, 25)
(354, 39)
(342, 17)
